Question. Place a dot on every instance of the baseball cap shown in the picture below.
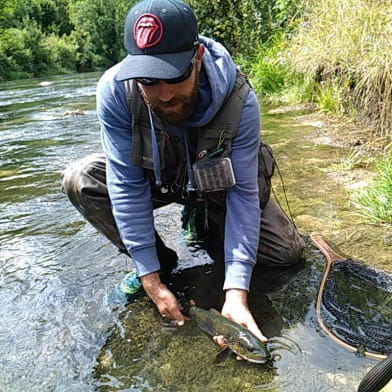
(161, 38)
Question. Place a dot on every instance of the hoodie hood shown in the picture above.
(216, 82)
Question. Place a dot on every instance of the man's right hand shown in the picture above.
(162, 297)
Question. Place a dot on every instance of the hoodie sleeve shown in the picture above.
(128, 186)
(242, 226)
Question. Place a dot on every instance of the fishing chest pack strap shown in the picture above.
(214, 142)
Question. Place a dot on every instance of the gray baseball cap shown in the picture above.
(161, 37)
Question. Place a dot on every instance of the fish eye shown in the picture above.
(246, 345)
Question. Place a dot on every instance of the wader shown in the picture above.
(84, 182)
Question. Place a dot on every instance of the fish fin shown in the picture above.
(222, 354)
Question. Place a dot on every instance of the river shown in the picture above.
(57, 332)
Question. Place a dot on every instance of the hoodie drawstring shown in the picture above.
(155, 153)
(190, 186)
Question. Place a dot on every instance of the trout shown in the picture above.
(238, 338)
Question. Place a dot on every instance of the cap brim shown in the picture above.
(159, 66)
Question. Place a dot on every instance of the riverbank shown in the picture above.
(324, 161)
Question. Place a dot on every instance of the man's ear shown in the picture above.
(199, 56)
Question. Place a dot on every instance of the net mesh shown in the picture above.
(357, 306)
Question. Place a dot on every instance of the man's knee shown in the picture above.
(83, 173)
(285, 254)
(84, 182)
(281, 245)
(291, 253)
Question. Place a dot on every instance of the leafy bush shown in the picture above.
(242, 26)
(83, 35)
(95, 22)
(62, 51)
(23, 52)
(13, 54)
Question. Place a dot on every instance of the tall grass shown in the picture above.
(347, 46)
(375, 201)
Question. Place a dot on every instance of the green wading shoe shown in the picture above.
(129, 289)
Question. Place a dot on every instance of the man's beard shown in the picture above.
(186, 109)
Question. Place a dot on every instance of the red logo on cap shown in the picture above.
(147, 31)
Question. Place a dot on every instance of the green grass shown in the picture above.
(374, 202)
(272, 75)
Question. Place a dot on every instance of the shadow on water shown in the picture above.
(56, 331)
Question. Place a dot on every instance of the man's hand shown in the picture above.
(163, 298)
(236, 309)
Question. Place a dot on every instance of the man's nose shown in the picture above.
(165, 91)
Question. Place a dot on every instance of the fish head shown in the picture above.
(249, 348)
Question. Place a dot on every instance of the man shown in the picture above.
(180, 124)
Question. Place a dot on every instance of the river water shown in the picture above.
(57, 332)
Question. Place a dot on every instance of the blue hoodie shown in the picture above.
(129, 187)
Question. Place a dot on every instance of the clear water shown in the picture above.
(57, 332)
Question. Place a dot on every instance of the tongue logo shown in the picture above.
(147, 31)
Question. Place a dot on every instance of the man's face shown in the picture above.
(174, 103)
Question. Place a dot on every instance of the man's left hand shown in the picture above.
(236, 309)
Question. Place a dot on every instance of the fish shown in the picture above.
(238, 338)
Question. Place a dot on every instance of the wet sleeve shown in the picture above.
(242, 225)
(128, 186)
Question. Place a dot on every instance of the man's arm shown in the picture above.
(242, 226)
(128, 186)
(130, 195)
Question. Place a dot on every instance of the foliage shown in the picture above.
(243, 25)
(6, 13)
(272, 76)
(330, 97)
(50, 15)
(41, 37)
(96, 25)
(375, 201)
(62, 51)
(23, 52)
(82, 35)
(267, 71)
